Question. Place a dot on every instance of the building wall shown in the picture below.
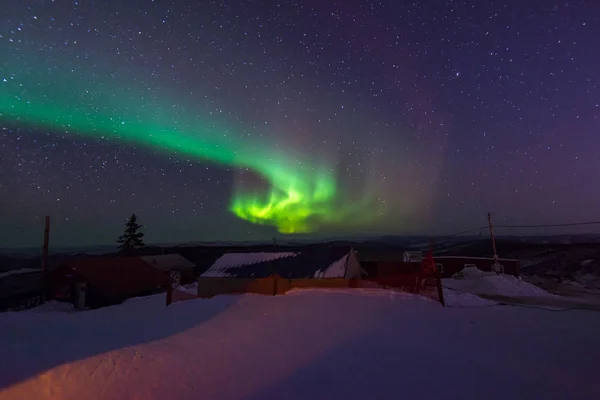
(21, 301)
(209, 287)
(450, 266)
(370, 268)
(387, 269)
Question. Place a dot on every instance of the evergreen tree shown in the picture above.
(131, 239)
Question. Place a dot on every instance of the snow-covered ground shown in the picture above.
(475, 281)
(308, 344)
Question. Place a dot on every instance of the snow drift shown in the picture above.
(473, 280)
(308, 344)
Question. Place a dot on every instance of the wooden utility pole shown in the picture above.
(45, 248)
(493, 235)
(45, 256)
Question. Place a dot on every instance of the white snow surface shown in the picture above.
(480, 282)
(337, 269)
(461, 299)
(309, 344)
(18, 272)
(230, 260)
(52, 306)
(191, 288)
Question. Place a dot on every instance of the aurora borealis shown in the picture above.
(240, 121)
(299, 199)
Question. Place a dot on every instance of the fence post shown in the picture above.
(169, 293)
(438, 282)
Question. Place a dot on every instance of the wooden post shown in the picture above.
(169, 293)
(496, 266)
(45, 247)
(437, 275)
(493, 237)
(440, 288)
(45, 257)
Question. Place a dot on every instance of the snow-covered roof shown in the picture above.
(19, 272)
(335, 270)
(168, 262)
(231, 260)
(475, 258)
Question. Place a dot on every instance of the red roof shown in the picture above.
(123, 276)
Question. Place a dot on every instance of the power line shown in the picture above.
(461, 233)
(550, 225)
(481, 228)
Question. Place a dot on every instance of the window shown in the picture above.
(470, 266)
(440, 268)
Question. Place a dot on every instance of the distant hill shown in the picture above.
(558, 255)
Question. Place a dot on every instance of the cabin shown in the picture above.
(273, 273)
(98, 282)
(305, 264)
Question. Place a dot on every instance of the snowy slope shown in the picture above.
(310, 344)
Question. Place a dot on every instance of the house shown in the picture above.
(450, 265)
(305, 264)
(179, 268)
(101, 281)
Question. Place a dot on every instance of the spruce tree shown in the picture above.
(131, 239)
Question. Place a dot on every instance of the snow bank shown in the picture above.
(478, 282)
(453, 298)
(472, 273)
(313, 344)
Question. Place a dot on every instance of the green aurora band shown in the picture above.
(106, 105)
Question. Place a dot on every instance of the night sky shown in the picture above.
(239, 120)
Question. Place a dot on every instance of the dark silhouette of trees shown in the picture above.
(131, 240)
